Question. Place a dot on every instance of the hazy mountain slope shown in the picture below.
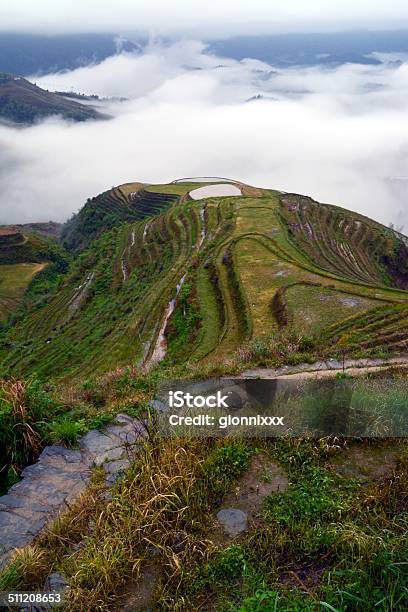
(38, 54)
(23, 102)
(51, 229)
(237, 268)
(321, 48)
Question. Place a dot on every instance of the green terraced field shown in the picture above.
(14, 280)
(30, 265)
(153, 268)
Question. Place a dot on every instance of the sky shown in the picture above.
(200, 17)
(339, 134)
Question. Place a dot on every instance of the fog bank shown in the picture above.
(339, 135)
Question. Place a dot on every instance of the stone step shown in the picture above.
(58, 478)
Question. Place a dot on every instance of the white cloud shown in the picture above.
(198, 16)
(336, 135)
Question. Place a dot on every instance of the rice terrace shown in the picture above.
(203, 278)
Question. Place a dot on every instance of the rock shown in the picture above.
(158, 405)
(51, 453)
(56, 583)
(98, 447)
(114, 470)
(116, 467)
(234, 521)
(106, 496)
(124, 418)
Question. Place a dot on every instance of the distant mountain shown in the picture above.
(50, 229)
(313, 49)
(22, 102)
(34, 54)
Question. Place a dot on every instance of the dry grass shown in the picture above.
(14, 395)
(157, 500)
(158, 514)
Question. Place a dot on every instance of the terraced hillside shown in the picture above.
(178, 280)
(23, 256)
(128, 202)
(346, 243)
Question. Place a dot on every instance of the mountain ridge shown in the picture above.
(22, 102)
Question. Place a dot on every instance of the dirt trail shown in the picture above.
(145, 230)
(80, 294)
(241, 508)
(160, 349)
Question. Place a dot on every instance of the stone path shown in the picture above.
(60, 476)
(325, 369)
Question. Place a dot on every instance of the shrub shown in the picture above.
(66, 431)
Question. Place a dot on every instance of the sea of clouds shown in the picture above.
(337, 134)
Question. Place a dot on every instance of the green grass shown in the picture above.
(317, 548)
(252, 251)
(312, 309)
(24, 409)
(211, 312)
(14, 280)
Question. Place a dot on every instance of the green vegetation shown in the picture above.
(262, 280)
(14, 281)
(33, 414)
(23, 411)
(31, 269)
(328, 542)
(253, 274)
(110, 209)
(184, 324)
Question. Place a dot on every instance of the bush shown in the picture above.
(66, 431)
